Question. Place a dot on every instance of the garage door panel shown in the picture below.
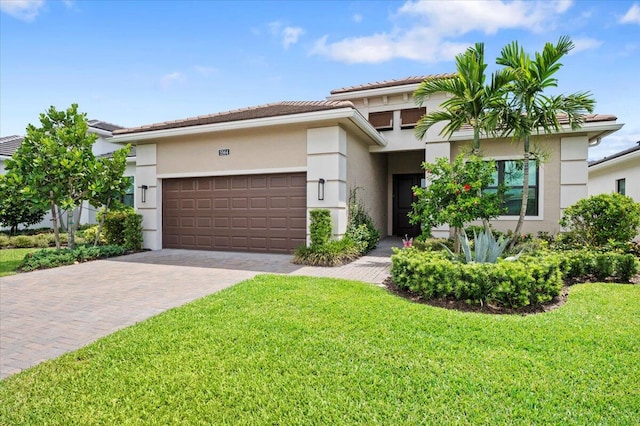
(265, 213)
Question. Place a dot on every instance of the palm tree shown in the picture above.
(529, 110)
(471, 103)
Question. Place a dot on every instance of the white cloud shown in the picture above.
(168, 79)
(433, 29)
(357, 18)
(25, 10)
(203, 70)
(632, 16)
(585, 43)
(289, 35)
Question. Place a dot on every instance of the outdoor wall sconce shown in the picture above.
(143, 193)
(320, 189)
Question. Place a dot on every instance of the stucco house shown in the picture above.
(246, 179)
(101, 147)
(619, 172)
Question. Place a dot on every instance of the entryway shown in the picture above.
(403, 199)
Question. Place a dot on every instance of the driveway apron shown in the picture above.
(44, 314)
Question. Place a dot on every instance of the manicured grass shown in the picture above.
(295, 350)
(11, 258)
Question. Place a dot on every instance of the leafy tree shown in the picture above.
(14, 210)
(57, 165)
(109, 183)
(602, 218)
(529, 110)
(472, 102)
(456, 193)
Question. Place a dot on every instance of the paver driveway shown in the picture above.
(44, 314)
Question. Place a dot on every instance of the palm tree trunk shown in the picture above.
(525, 191)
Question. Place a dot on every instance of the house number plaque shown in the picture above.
(222, 152)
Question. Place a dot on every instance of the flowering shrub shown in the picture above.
(457, 193)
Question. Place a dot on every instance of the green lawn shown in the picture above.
(11, 258)
(295, 350)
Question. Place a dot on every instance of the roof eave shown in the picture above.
(367, 93)
(308, 117)
(614, 160)
(595, 131)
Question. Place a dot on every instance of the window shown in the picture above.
(381, 120)
(621, 186)
(510, 174)
(127, 198)
(410, 117)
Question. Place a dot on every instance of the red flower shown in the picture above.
(467, 187)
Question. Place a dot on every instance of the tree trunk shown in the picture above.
(54, 218)
(525, 192)
(101, 224)
(72, 241)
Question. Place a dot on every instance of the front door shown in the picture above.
(402, 200)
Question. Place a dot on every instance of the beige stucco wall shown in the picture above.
(257, 149)
(368, 172)
(550, 210)
(602, 177)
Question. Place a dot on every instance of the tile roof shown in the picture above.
(391, 83)
(9, 144)
(260, 111)
(616, 155)
(103, 125)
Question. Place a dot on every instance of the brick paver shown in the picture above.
(44, 314)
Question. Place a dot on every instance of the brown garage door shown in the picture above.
(261, 213)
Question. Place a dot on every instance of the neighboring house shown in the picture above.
(246, 179)
(619, 173)
(101, 147)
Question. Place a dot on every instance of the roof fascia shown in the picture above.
(369, 93)
(308, 117)
(601, 130)
(611, 162)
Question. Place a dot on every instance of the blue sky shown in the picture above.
(139, 62)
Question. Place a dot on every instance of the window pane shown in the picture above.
(513, 201)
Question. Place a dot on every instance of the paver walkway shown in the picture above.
(44, 314)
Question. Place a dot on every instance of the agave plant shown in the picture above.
(487, 248)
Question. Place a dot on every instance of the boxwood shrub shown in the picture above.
(528, 281)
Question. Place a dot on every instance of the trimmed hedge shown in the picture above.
(528, 281)
(586, 265)
(45, 259)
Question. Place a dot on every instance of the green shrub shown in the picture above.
(89, 234)
(123, 228)
(4, 240)
(360, 226)
(22, 241)
(320, 227)
(41, 241)
(44, 259)
(586, 264)
(133, 232)
(627, 267)
(333, 253)
(528, 281)
(602, 218)
(433, 244)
